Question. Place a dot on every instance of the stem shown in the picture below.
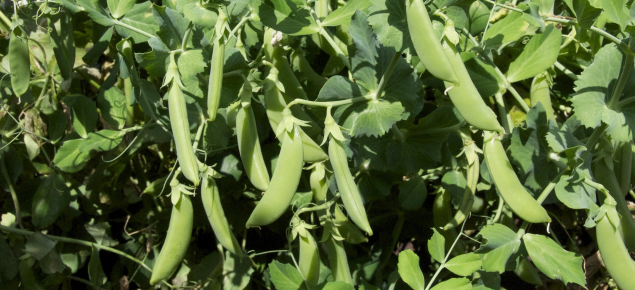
(186, 36)
(517, 96)
(609, 36)
(566, 71)
(625, 102)
(127, 89)
(78, 242)
(500, 104)
(137, 30)
(43, 92)
(239, 25)
(447, 256)
(395, 130)
(625, 171)
(323, 206)
(595, 137)
(541, 198)
(499, 211)
(334, 45)
(387, 73)
(14, 196)
(5, 20)
(333, 103)
(621, 81)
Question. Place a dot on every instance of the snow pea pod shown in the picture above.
(181, 131)
(442, 215)
(216, 67)
(540, 93)
(605, 176)
(338, 260)
(466, 98)
(427, 44)
(309, 259)
(283, 184)
(510, 188)
(249, 143)
(473, 169)
(177, 239)
(19, 62)
(615, 256)
(346, 184)
(216, 216)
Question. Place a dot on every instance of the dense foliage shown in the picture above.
(290, 144)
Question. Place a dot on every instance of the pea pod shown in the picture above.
(473, 169)
(442, 214)
(624, 158)
(177, 239)
(320, 180)
(510, 188)
(540, 93)
(19, 62)
(216, 67)
(283, 184)
(465, 96)
(346, 184)
(526, 271)
(216, 216)
(615, 256)
(27, 277)
(309, 259)
(181, 131)
(338, 262)
(351, 233)
(249, 143)
(427, 44)
(605, 176)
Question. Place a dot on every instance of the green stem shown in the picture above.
(43, 92)
(447, 256)
(566, 71)
(594, 29)
(545, 193)
(500, 105)
(5, 21)
(625, 102)
(334, 45)
(84, 281)
(127, 89)
(323, 206)
(239, 25)
(14, 195)
(505, 6)
(517, 96)
(186, 36)
(368, 97)
(387, 74)
(137, 30)
(595, 136)
(78, 242)
(499, 211)
(621, 81)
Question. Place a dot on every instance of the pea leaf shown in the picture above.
(483, 75)
(155, 61)
(501, 244)
(239, 272)
(584, 12)
(410, 271)
(84, 112)
(436, 246)
(552, 260)
(200, 15)
(514, 26)
(388, 18)
(50, 199)
(96, 12)
(454, 284)
(343, 14)
(70, 157)
(285, 276)
(464, 265)
(172, 26)
(10, 265)
(101, 233)
(191, 63)
(372, 118)
(478, 15)
(63, 42)
(614, 11)
(38, 245)
(288, 17)
(594, 89)
(103, 140)
(112, 104)
(363, 53)
(538, 55)
(101, 40)
(95, 271)
(138, 17)
(119, 8)
(412, 193)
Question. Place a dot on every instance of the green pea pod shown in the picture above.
(427, 44)
(177, 240)
(338, 261)
(466, 98)
(283, 184)
(216, 216)
(309, 260)
(527, 272)
(605, 176)
(320, 180)
(29, 281)
(351, 233)
(305, 70)
(615, 256)
(216, 67)
(181, 131)
(442, 214)
(473, 169)
(510, 188)
(346, 184)
(624, 158)
(540, 93)
(274, 103)
(19, 62)
(249, 143)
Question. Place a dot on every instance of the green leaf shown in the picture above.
(288, 17)
(19, 62)
(138, 17)
(363, 52)
(99, 231)
(101, 40)
(373, 118)
(339, 88)
(538, 55)
(84, 112)
(238, 271)
(487, 281)
(478, 15)
(594, 89)
(373, 186)
(464, 265)
(614, 10)
(119, 8)
(172, 26)
(412, 193)
(285, 276)
(96, 12)
(10, 265)
(38, 245)
(103, 140)
(51, 198)
(63, 42)
(337, 285)
(70, 157)
(436, 246)
(200, 15)
(112, 104)
(191, 63)
(501, 244)
(552, 260)
(454, 284)
(52, 263)
(155, 61)
(483, 75)
(388, 18)
(584, 12)
(343, 14)
(410, 271)
(95, 272)
(514, 26)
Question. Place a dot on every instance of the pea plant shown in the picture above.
(290, 144)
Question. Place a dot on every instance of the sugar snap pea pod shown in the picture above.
(605, 176)
(284, 182)
(19, 61)
(624, 166)
(510, 188)
(347, 229)
(320, 180)
(275, 104)
(470, 187)
(216, 216)
(540, 93)
(216, 67)
(338, 262)
(526, 271)
(465, 96)
(427, 44)
(27, 277)
(309, 259)
(305, 70)
(177, 239)
(181, 131)
(615, 256)
(442, 214)
(249, 143)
